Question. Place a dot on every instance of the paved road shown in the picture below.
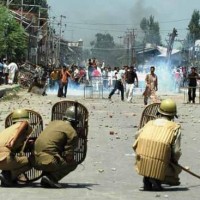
(108, 172)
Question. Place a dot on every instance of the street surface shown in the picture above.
(108, 171)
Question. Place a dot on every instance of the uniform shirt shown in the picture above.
(9, 134)
(59, 137)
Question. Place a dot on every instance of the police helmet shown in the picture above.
(168, 108)
(20, 115)
(71, 115)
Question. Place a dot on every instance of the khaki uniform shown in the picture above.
(8, 158)
(53, 145)
(158, 144)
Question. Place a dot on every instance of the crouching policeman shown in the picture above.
(157, 149)
(54, 149)
(12, 140)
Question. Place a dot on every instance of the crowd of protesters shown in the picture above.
(122, 80)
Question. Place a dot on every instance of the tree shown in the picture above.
(151, 30)
(104, 48)
(194, 26)
(12, 36)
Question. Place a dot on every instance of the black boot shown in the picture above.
(156, 184)
(5, 178)
(147, 184)
(49, 182)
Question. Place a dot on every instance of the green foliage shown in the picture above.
(12, 36)
(194, 26)
(151, 30)
(104, 48)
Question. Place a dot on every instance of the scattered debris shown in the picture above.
(100, 170)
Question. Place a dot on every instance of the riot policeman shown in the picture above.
(157, 149)
(12, 140)
(54, 149)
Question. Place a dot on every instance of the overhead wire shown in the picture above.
(129, 25)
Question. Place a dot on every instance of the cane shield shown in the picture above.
(36, 122)
(58, 111)
(149, 113)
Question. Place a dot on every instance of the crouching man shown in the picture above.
(157, 149)
(54, 149)
(12, 140)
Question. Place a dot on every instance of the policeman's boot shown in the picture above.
(5, 178)
(156, 184)
(147, 185)
(49, 182)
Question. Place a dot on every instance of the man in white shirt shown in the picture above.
(118, 85)
(13, 68)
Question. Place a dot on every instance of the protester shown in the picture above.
(192, 84)
(131, 80)
(151, 86)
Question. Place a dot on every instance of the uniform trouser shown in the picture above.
(129, 91)
(15, 164)
(53, 165)
(119, 86)
(172, 175)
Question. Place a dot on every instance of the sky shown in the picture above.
(84, 18)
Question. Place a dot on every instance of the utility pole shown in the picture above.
(127, 50)
(38, 34)
(133, 57)
(130, 41)
(60, 35)
(22, 2)
(51, 43)
(170, 44)
(143, 48)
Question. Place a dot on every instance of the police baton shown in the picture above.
(187, 170)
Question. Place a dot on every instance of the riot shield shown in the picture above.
(58, 110)
(36, 122)
(149, 113)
